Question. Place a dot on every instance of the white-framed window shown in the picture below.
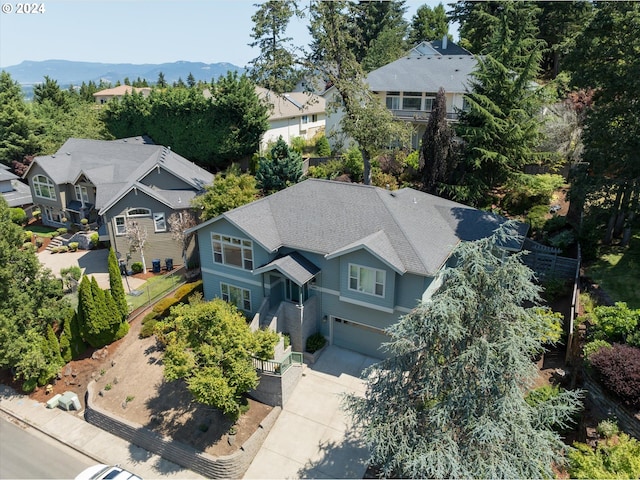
(428, 101)
(412, 101)
(120, 225)
(139, 212)
(233, 251)
(314, 117)
(304, 119)
(82, 195)
(44, 187)
(159, 222)
(366, 280)
(466, 106)
(393, 100)
(240, 297)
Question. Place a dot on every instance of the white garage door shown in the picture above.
(358, 337)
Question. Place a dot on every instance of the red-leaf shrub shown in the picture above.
(619, 367)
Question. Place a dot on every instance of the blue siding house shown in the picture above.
(338, 258)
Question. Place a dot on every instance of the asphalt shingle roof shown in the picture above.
(116, 166)
(410, 230)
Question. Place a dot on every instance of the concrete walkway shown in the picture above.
(312, 437)
(71, 429)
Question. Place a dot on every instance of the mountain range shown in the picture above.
(67, 72)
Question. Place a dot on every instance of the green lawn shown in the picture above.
(617, 271)
(41, 230)
(152, 289)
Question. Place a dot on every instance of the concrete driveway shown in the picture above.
(92, 262)
(313, 437)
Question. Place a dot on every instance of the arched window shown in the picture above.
(43, 187)
(139, 212)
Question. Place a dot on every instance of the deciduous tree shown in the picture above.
(229, 190)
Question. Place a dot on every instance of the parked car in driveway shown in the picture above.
(106, 472)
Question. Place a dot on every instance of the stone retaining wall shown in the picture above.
(228, 466)
(626, 421)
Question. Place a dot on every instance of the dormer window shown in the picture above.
(43, 187)
(82, 195)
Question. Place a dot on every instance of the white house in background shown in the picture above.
(408, 86)
(103, 96)
(16, 193)
(293, 114)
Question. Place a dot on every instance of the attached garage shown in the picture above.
(358, 337)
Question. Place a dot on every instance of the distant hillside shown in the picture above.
(67, 72)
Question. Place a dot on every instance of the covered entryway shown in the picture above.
(358, 337)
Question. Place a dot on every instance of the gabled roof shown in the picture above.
(121, 90)
(291, 104)
(426, 67)
(293, 265)
(409, 230)
(117, 166)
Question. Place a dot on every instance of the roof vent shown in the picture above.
(69, 153)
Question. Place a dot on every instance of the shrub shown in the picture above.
(54, 249)
(323, 149)
(18, 215)
(123, 329)
(73, 246)
(94, 239)
(619, 368)
(39, 242)
(265, 343)
(63, 249)
(384, 180)
(537, 217)
(298, 144)
(542, 394)
(315, 342)
(616, 457)
(136, 267)
(149, 316)
(614, 323)
(633, 339)
(593, 347)
(607, 428)
(525, 190)
(353, 164)
(327, 170)
(562, 240)
(163, 306)
(184, 291)
(28, 236)
(555, 288)
(555, 223)
(62, 230)
(84, 221)
(287, 340)
(148, 328)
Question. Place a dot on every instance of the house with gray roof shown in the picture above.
(114, 183)
(343, 259)
(408, 86)
(16, 193)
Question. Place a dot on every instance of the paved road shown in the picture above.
(26, 453)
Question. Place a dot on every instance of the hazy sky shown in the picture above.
(138, 31)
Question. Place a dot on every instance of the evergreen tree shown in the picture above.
(280, 169)
(50, 91)
(65, 342)
(501, 130)
(450, 401)
(275, 68)
(54, 346)
(115, 285)
(429, 24)
(19, 129)
(191, 80)
(373, 20)
(478, 23)
(161, 82)
(437, 155)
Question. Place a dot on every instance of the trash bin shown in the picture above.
(123, 267)
(156, 265)
(169, 264)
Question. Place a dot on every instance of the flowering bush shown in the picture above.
(619, 367)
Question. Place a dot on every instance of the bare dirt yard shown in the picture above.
(129, 374)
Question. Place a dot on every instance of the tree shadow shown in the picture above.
(344, 458)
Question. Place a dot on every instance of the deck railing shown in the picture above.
(278, 368)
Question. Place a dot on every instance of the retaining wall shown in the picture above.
(229, 466)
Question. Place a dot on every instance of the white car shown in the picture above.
(106, 472)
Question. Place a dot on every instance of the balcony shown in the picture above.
(421, 116)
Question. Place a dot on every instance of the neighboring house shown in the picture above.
(16, 193)
(343, 259)
(112, 183)
(103, 96)
(408, 86)
(293, 114)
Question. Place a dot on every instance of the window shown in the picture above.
(139, 212)
(81, 194)
(120, 226)
(159, 222)
(304, 119)
(237, 296)
(412, 101)
(428, 101)
(393, 100)
(466, 106)
(232, 251)
(43, 187)
(366, 280)
(314, 117)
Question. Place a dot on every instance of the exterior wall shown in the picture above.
(166, 181)
(159, 245)
(291, 127)
(215, 273)
(44, 203)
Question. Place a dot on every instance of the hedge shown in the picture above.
(183, 292)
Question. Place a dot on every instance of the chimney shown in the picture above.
(444, 41)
